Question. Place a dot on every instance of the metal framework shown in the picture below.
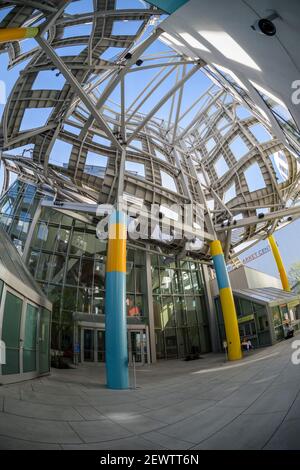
(94, 111)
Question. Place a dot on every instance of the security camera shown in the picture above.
(266, 25)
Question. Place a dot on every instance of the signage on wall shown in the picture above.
(256, 254)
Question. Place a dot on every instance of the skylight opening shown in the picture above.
(254, 178)
(34, 118)
(221, 166)
(210, 145)
(28, 45)
(137, 144)
(135, 168)
(134, 4)
(81, 6)
(72, 129)
(84, 29)
(238, 148)
(160, 155)
(60, 153)
(168, 181)
(260, 133)
(4, 12)
(112, 53)
(98, 139)
(201, 178)
(229, 194)
(243, 113)
(69, 50)
(210, 204)
(126, 28)
(97, 160)
(280, 165)
(24, 151)
(193, 42)
(225, 44)
(47, 80)
(223, 126)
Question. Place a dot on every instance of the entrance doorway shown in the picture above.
(93, 345)
(137, 346)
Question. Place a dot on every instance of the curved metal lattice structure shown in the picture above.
(203, 152)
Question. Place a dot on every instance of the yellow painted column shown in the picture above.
(227, 302)
(282, 272)
(17, 34)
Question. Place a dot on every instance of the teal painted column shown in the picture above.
(169, 6)
(115, 304)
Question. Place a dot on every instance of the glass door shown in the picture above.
(88, 345)
(11, 333)
(44, 341)
(30, 339)
(100, 345)
(137, 346)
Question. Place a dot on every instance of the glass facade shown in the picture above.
(253, 321)
(180, 314)
(68, 260)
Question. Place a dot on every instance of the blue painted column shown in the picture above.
(115, 304)
(227, 302)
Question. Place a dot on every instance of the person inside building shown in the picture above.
(288, 330)
(246, 344)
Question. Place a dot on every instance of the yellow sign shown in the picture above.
(245, 319)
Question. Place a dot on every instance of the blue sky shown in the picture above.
(287, 238)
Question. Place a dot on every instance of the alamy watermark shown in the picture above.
(155, 222)
(296, 354)
(296, 94)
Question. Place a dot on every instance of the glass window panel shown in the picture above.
(63, 237)
(180, 311)
(140, 280)
(44, 267)
(69, 298)
(171, 343)
(44, 341)
(156, 311)
(130, 284)
(98, 302)
(77, 243)
(191, 310)
(84, 300)
(11, 333)
(133, 310)
(33, 261)
(160, 344)
(87, 272)
(99, 274)
(184, 347)
(58, 267)
(73, 268)
(30, 340)
(187, 282)
(166, 276)
(51, 239)
(167, 312)
(201, 310)
(155, 280)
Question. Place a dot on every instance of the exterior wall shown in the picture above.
(248, 278)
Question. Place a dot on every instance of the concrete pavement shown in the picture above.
(202, 404)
